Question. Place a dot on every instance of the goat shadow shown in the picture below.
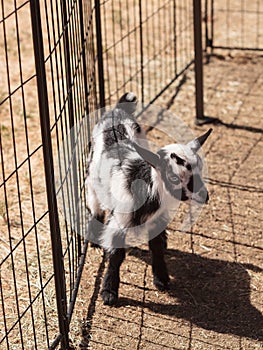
(213, 294)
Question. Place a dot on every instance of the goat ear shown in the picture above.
(197, 143)
(152, 158)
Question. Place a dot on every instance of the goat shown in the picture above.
(137, 188)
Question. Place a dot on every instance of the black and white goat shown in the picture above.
(137, 188)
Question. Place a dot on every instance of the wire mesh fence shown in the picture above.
(46, 89)
(60, 61)
(241, 21)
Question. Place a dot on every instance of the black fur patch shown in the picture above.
(195, 184)
(143, 205)
(115, 134)
(137, 127)
(183, 195)
(149, 207)
(139, 169)
(179, 160)
(189, 167)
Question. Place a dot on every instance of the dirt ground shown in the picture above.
(215, 298)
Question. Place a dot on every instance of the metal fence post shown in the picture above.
(200, 118)
(141, 53)
(199, 88)
(58, 262)
(209, 24)
(99, 55)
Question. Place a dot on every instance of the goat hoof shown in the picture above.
(161, 285)
(109, 297)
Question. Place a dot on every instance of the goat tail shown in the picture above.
(128, 103)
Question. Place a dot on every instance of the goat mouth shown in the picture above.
(184, 196)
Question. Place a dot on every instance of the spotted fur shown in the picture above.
(136, 188)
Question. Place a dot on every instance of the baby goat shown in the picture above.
(137, 188)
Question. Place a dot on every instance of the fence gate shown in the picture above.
(59, 61)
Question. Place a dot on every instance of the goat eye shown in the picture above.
(136, 127)
(174, 179)
(189, 167)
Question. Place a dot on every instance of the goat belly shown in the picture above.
(142, 233)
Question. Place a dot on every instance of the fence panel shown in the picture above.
(47, 86)
(241, 21)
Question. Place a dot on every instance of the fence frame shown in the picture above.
(198, 64)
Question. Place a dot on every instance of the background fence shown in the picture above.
(146, 46)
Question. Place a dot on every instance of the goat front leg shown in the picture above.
(96, 216)
(111, 280)
(160, 275)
